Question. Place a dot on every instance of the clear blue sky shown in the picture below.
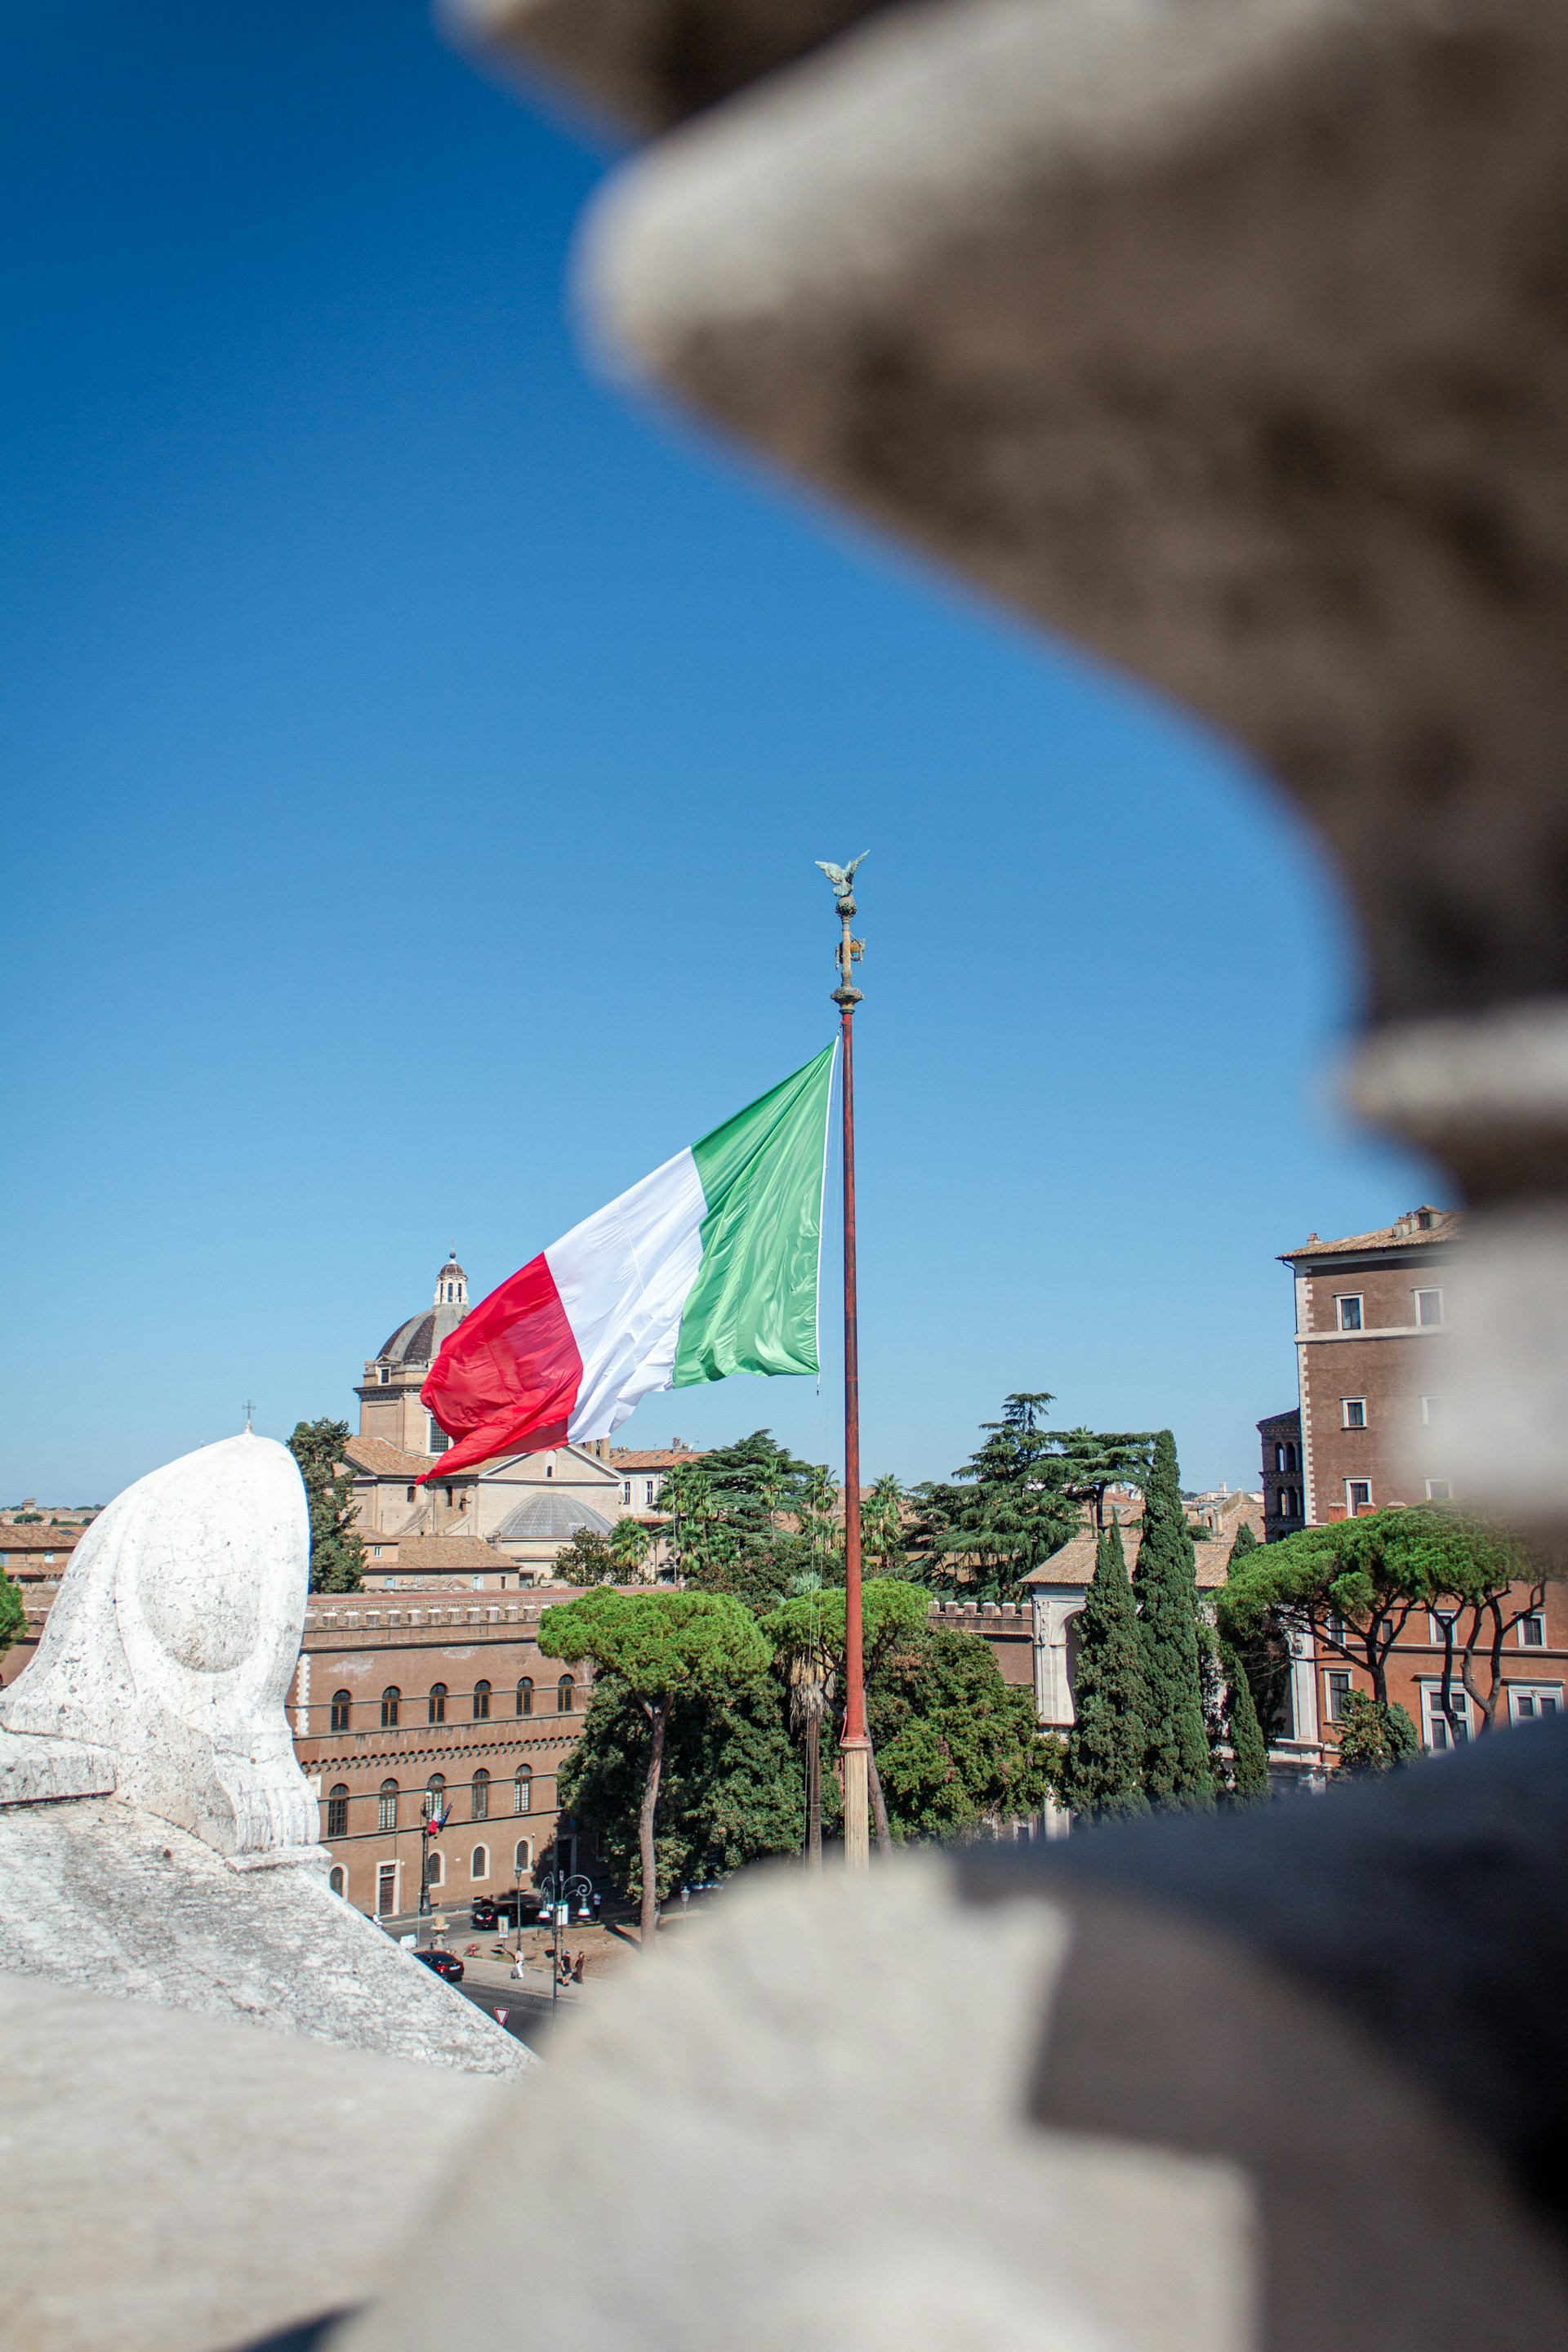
(414, 757)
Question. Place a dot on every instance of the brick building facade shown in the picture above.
(431, 1695)
(1371, 1334)
(1368, 1435)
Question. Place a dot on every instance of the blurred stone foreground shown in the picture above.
(1230, 337)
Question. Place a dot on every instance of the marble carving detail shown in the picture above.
(162, 1672)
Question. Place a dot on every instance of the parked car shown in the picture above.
(446, 1965)
(511, 1909)
(483, 1914)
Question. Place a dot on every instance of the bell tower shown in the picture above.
(389, 1396)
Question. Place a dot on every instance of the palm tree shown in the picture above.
(882, 1524)
(630, 1543)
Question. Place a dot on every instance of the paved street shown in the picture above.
(529, 2012)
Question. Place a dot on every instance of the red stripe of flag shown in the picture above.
(506, 1379)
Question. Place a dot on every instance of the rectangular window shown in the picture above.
(1428, 1412)
(1429, 1308)
(625, 1490)
(1338, 1686)
(1438, 1737)
(1526, 1704)
(1354, 1411)
(439, 1441)
(1357, 1496)
(1349, 1311)
(1532, 1632)
(1336, 1626)
(1438, 1490)
(648, 1490)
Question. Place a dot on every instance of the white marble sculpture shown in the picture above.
(158, 1840)
(162, 1670)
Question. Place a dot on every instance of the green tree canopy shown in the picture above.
(1354, 1585)
(891, 1609)
(730, 1790)
(1177, 1770)
(883, 1536)
(1248, 1747)
(588, 1559)
(1373, 1737)
(631, 1540)
(1002, 1514)
(808, 1633)
(337, 1550)
(1094, 1460)
(957, 1747)
(747, 1519)
(1107, 1745)
(666, 1649)
(13, 1615)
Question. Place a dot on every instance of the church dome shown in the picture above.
(417, 1340)
(544, 1516)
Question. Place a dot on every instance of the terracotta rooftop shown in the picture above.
(1074, 1564)
(416, 1554)
(385, 1461)
(1441, 1225)
(43, 1539)
(660, 1458)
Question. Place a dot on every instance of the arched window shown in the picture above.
(435, 1793)
(525, 1695)
(481, 1702)
(563, 1690)
(479, 1866)
(391, 1699)
(433, 1869)
(522, 1800)
(338, 1811)
(481, 1795)
(437, 1702)
(342, 1702)
(387, 1810)
(522, 1859)
(337, 1879)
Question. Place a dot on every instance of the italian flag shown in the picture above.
(709, 1266)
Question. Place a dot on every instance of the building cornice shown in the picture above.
(1382, 1331)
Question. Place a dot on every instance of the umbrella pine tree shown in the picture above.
(1104, 1775)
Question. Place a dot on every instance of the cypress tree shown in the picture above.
(1104, 1775)
(1248, 1748)
(1176, 1766)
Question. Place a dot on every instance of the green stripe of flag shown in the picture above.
(752, 1308)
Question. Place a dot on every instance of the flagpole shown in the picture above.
(854, 1748)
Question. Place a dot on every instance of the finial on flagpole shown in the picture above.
(850, 951)
(249, 1409)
